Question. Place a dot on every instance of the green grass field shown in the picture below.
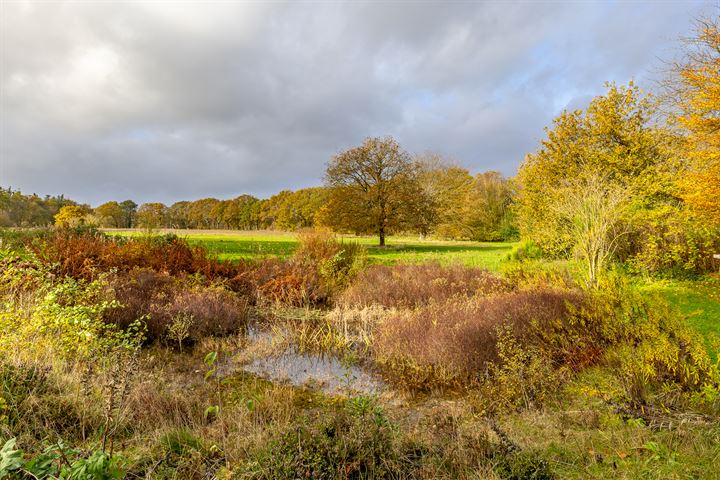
(235, 245)
(699, 302)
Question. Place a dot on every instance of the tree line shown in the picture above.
(433, 197)
(18, 210)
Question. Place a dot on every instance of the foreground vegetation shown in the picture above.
(131, 358)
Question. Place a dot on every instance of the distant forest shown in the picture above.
(455, 204)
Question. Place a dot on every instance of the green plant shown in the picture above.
(179, 329)
(525, 250)
(214, 411)
(58, 461)
(355, 442)
(210, 359)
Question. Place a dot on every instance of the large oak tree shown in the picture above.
(373, 188)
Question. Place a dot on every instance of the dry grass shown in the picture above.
(452, 343)
(161, 300)
(408, 286)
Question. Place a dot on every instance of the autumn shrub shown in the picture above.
(549, 331)
(315, 246)
(337, 261)
(86, 254)
(654, 353)
(409, 285)
(522, 376)
(212, 311)
(161, 300)
(320, 267)
(286, 282)
(676, 247)
(136, 292)
(451, 343)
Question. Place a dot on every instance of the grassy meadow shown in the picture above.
(240, 244)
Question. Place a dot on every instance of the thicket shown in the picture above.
(182, 294)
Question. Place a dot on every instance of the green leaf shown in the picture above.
(210, 359)
(10, 459)
(212, 410)
(43, 465)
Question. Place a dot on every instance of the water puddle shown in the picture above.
(327, 373)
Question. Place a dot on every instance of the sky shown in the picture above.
(170, 100)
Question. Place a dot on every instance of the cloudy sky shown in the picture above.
(168, 100)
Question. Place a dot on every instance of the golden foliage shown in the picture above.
(615, 137)
(695, 93)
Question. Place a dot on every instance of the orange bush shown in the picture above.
(85, 254)
(287, 282)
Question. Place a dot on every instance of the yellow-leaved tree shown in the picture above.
(615, 138)
(72, 216)
(694, 93)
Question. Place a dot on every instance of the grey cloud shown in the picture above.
(160, 102)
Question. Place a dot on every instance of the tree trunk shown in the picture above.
(381, 232)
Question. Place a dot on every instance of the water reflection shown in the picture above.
(327, 373)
